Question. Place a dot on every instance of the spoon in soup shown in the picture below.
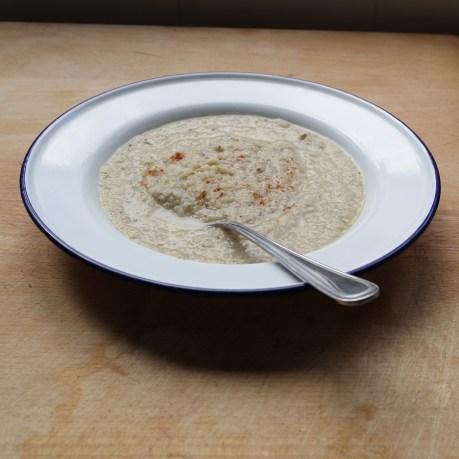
(346, 289)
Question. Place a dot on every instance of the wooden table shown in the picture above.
(95, 366)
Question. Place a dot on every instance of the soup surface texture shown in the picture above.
(286, 182)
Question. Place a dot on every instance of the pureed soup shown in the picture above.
(284, 181)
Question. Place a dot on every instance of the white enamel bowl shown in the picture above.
(60, 172)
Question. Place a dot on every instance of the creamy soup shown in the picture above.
(286, 182)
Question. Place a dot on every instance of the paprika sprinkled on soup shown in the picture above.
(287, 182)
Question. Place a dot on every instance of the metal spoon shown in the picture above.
(345, 288)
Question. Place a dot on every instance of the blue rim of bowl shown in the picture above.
(100, 266)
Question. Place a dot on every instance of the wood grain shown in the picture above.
(95, 366)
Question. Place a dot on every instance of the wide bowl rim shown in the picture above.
(112, 270)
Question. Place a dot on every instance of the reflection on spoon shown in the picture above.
(345, 288)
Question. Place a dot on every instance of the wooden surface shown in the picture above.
(95, 366)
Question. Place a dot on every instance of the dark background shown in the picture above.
(441, 16)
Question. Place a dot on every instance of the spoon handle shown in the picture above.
(345, 288)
